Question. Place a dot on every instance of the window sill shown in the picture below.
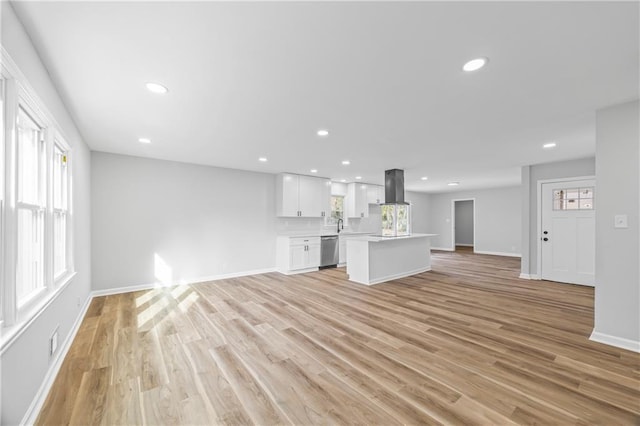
(9, 334)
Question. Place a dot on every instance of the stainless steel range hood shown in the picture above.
(394, 186)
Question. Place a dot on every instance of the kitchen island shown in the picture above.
(376, 259)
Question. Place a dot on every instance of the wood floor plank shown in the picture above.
(466, 343)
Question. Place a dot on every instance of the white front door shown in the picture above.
(568, 231)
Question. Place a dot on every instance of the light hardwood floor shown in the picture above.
(467, 343)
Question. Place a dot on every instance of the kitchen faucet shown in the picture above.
(340, 221)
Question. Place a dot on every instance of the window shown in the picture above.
(60, 210)
(337, 209)
(2, 166)
(573, 199)
(30, 208)
(36, 220)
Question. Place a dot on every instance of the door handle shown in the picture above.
(545, 239)
(545, 232)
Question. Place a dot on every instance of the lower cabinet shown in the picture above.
(297, 254)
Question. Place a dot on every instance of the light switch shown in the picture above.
(620, 221)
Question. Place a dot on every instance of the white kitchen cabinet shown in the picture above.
(302, 196)
(295, 255)
(375, 194)
(356, 200)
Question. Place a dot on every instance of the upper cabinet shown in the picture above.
(356, 201)
(359, 196)
(375, 194)
(302, 196)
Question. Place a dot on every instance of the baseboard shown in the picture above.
(529, 276)
(297, 271)
(190, 281)
(127, 289)
(619, 342)
(393, 276)
(38, 401)
(497, 253)
(442, 248)
(464, 245)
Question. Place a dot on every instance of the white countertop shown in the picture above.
(323, 233)
(379, 239)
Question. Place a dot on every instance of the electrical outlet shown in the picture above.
(53, 342)
(620, 221)
(78, 302)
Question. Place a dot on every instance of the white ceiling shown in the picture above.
(259, 79)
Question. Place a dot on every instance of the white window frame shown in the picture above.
(60, 278)
(17, 93)
(2, 197)
(329, 218)
(40, 206)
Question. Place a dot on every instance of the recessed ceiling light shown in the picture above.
(453, 183)
(144, 140)
(424, 178)
(323, 132)
(314, 170)
(358, 177)
(549, 145)
(475, 64)
(346, 162)
(343, 180)
(157, 88)
(262, 159)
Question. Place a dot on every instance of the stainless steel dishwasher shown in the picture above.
(329, 251)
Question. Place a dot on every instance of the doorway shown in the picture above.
(567, 231)
(463, 226)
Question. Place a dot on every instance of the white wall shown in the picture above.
(201, 221)
(464, 222)
(25, 362)
(420, 205)
(529, 192)
(617, 293)
(498, 228)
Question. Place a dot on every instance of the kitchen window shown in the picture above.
(337, 209)
(36, 259)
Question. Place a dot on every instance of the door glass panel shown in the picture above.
(573, 199)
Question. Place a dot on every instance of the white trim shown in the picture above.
(392, 276)
(498, 253)
(190, 281)
(442, 248)
(524, 276)
(16, 74)
(453, 221)
(54, 368)
(11, 333)
(297, 271)
(619, 342)
(539, 184)
(127, 289)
